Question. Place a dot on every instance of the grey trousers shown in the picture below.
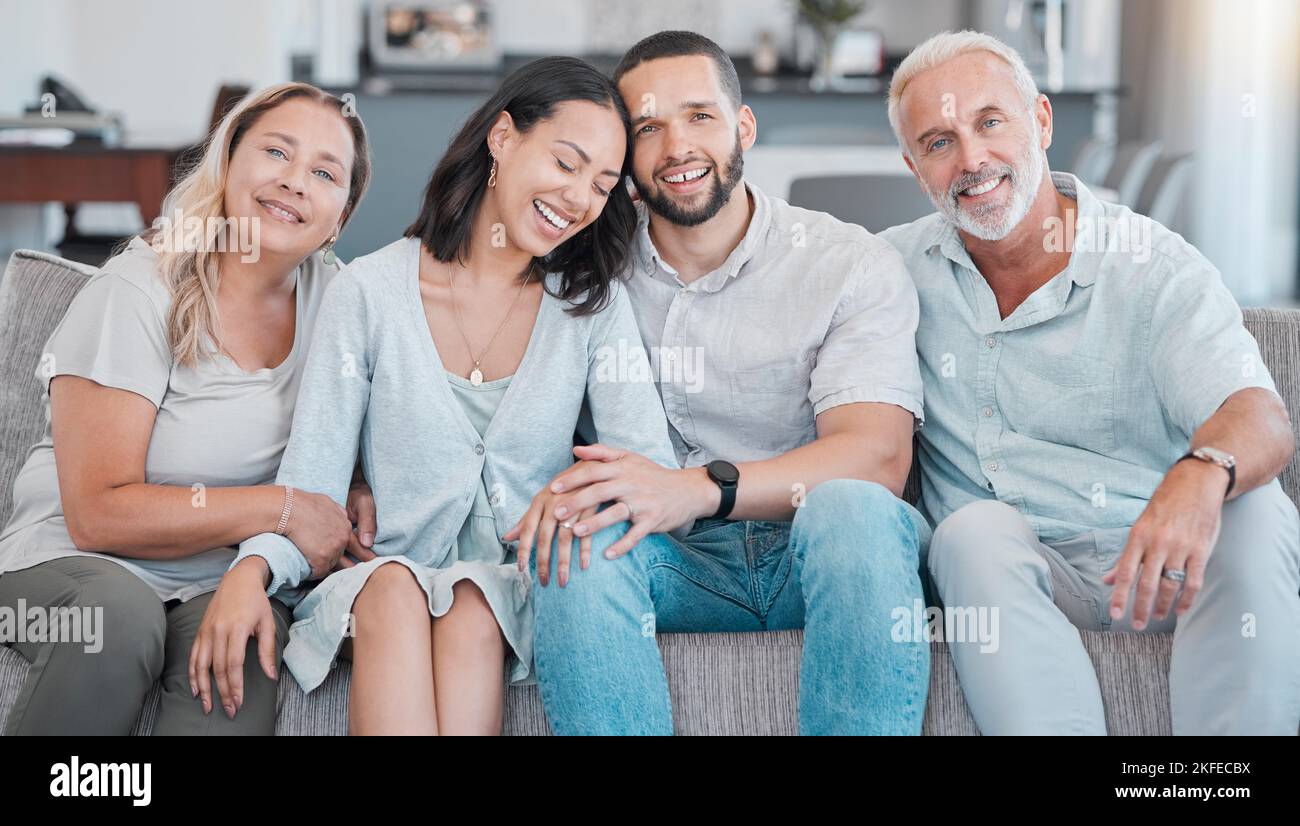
(1236, 656)
(78, 687)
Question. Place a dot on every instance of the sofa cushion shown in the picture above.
(738, 683)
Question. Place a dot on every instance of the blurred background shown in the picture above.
(1186, 110)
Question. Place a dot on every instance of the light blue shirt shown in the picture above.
(1072, 408)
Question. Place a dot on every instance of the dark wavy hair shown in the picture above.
(588, 262)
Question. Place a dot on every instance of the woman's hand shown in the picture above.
(320, 529)
(540, 525)
(239, 610)
(361, 511)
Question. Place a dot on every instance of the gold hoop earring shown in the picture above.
(329, 258)
(492, 174)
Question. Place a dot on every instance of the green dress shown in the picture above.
(478, 539)
(478, 542)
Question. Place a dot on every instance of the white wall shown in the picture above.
(161, 62)
(608, 26)
(1222, 80)
(28, 45)
(157, 63)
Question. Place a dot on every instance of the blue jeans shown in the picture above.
(849, 559)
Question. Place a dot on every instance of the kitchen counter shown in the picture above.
(477, 81)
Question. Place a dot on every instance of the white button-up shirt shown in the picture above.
(807, 313)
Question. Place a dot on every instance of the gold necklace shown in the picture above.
(476, 375)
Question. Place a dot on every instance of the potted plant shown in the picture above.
(827, 18)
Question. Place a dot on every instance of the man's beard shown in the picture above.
(993, 222)
(661, 204)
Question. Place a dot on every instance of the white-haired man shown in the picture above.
(1102, 439)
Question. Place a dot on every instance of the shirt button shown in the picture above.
(494, 500)
(991, 342)
(993, 466)
(988, 411)
(478, 449)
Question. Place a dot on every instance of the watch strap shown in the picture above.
(1232, 470)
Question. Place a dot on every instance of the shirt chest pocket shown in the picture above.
(1067, 400)
(770, 407)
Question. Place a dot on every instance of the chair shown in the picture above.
(1162, 196)
(875, 202)
(1128, 174)
(1093, 159)
(227, 96)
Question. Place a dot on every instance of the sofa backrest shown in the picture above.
(34, 295)
(1278, 334)
(36, 289)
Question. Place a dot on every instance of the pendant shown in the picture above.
(476, 377)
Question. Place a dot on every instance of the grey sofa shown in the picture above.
(720, 683)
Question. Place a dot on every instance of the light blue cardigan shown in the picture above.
(373, 378)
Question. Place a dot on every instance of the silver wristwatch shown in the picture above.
(1222, 458)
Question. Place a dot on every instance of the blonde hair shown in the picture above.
(190, 274)
(945, 46)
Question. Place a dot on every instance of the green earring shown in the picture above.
(329, 258)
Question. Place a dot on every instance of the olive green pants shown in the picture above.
(117, 639)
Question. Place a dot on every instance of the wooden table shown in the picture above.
(134, 173)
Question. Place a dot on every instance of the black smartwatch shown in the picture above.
(726, 476)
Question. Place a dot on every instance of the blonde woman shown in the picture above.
(171, 388)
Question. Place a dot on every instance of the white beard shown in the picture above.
(994, 222)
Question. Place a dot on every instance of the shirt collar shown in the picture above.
(1083, 265)
(750, 245)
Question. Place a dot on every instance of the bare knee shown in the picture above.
(471, 614)
(391, 594)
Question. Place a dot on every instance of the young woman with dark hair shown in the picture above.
(458, 360)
